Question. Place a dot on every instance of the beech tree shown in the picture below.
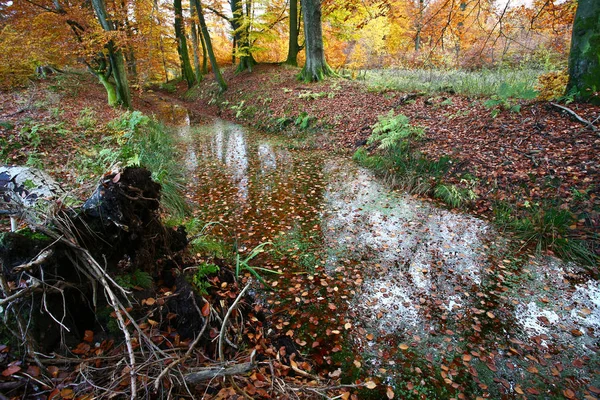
(584, 58)
(209, 48)
(116, 60)
(182, 49)
(315, 68)
(293, 46)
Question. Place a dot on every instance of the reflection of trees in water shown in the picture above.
(266, 187)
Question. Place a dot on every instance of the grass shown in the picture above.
(469, 83)
(137, 140)
(546, 228)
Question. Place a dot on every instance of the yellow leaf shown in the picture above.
(371, 385)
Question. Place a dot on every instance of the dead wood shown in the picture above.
(199, 376)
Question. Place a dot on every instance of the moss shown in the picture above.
(33, 235)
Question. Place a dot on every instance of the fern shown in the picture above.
(392, 130)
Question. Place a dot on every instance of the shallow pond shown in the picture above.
(376, 283)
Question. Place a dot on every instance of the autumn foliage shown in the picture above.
(357, 34)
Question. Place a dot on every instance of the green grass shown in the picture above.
(484, 83)
(137, 140)
(545, 228)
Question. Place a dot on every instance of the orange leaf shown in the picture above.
(389, 393)
(371, 385)
(33, 370)
(88, 336)
(206, 309)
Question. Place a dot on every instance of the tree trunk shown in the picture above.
(242, 25)
(315, 68)
(195, 45)
(204, 55)
(116, 58)
(584, 58)
(186, 68)
(293, 47)
(209, 49)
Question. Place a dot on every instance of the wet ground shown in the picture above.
(379, 284)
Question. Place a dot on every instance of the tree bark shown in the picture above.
(209, 48)
(204, 55)
(584, 58)
(117, 61)
(293, 47)
(242, 24)
(186, 68)
(195, 45)
(315, 68)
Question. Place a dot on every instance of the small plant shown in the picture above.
(200, 281)
(168, 87)
(87, 119)
(393, 130)
(552, 85)
(135, 279)
(546, 229)
(239, 109)
(453, 195)
(505, 96)
(303, 120)
(242, 264)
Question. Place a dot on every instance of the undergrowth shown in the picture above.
(468, 83)
(394, 155)
(546, 228)
(136, 140)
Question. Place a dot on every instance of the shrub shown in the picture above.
(552, 85)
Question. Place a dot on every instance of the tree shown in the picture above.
(293, 46)
(209, 48)
(196, 45)
(584, 58)
(115, 58)
(186, 68)
(315, 68)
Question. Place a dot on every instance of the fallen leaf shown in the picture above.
(370, 385)
(11, 370)
(389, 393)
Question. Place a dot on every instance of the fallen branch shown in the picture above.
(584, 121)
(215, 372)
(224, 324)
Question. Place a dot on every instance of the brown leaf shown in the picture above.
(206, 309)
(11, 370)
(88, 336)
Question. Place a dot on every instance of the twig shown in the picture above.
(577, 117)
(224, 325)
(43, 256)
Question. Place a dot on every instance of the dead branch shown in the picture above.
(215, 372)
(43, 256)
(584, 121)
(224, 324)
